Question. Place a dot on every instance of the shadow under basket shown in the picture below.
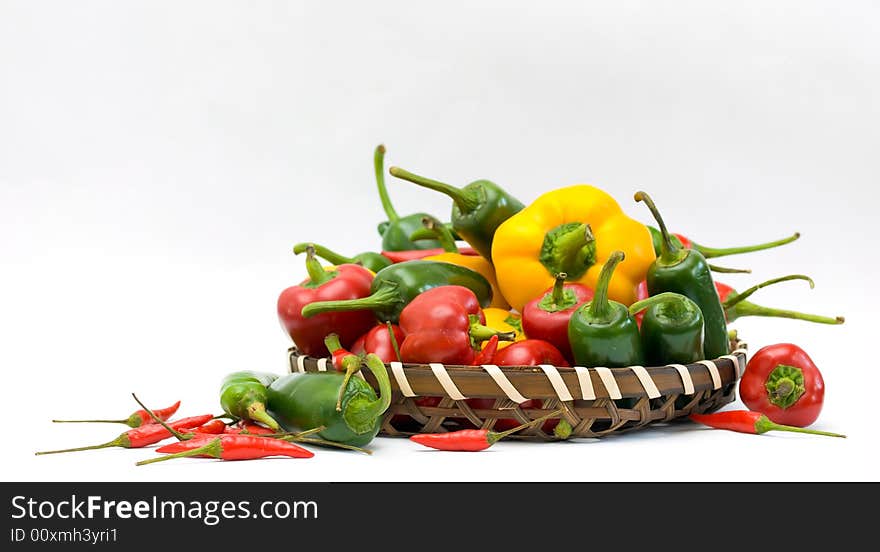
(596, 402)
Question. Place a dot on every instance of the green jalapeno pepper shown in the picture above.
(712, 252)
(687, 272)
(396, 230)
(672, 329)
(395, 286)
(308, 400)
(602, 332)
(243, 396)
(478, 209)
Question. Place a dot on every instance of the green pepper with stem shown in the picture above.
(243, 396)
(368, 259)
(478, 209)
(396, 230)
(687, 272)
(395, 286)
(306, 400)
(672, 329)
(602, 332)
(712, 252)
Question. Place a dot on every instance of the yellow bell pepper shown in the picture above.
(505, 321)
(571, 230)
(477, 264)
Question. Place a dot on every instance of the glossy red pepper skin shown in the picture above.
(642, 293)
(783, 382)
(212, 427)
(378, 341)
(248, 427)
(463, 440)
(238, 446)
(540, 320)
(438, 345)
(416, 254)
(487, 354)
(348, 281)
(751, 422)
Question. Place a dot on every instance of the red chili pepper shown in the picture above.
(487, 355)
(136, 419)
(346, 281)
(782, 382)
(144, 435)
(213, 427)
(444, 324)
(546, 317)
(416, 254)
(747, 421)
(471, 440)
(337, 352)
(685, 242)
(343, 361)
(232, 446)
(248, 427)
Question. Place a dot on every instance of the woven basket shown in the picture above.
(596, 401)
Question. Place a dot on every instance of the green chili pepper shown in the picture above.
(307, 400)
(369, 260)
(712, 252)
(672, 329)
(736, 306)
(602, 332)
(687, 272)
(396, 230)
(478, 209)
(395, 286)
(243, 396)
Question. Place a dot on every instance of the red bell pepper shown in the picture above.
(347, 281)
(546, 317)
(783, 382)
(444, 325)
(379, 342)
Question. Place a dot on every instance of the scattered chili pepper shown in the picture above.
(747, 421)
(686, 271)
(711, 252)
(487, 354)
(343, 361)
(344, 282)
(471, 440)
(478, 209)
(136, 419)
(243, 396)
(211, 427)
(602, 332)
(338, 353)
(419, 254)
(248, 427)
(395, 286)
(303, 401)
(546, 316)
(477, 263)
(735, 305)
(782, 382)
(672, 329)
(232, 446)
(396, 230)
(144, 435)
(369, 260)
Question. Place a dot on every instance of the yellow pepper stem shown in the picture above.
(569, 248)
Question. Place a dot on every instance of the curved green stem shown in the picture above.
(393, 339)
(257, 412)
(432, 231)
(670, 254)
(711, 252)
(746, 308)
(120, 441)
(324, 253)
(351, 363)
(480, 332)
(764, 424)
(557, 295)
(378, 166)
(317, 274)
(90, 421)
(744, 295)
(466, 200)
(726, 270)
(214, 449)
(384, 297)
(378, 407)
(665, 297)
(600, 309)
(180, 436)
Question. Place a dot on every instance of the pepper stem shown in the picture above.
(324, 253)
(726, 270)
(214, 449)
(711, 252)
(558, 293)
(670, 254)
(746, 308)
(378, 166)
(600, 309)
(466, 200)
(352, 364)
(90, 421)
(480, 332)
(432, 231)
(384, 297)
(120, 441)
(764, 424)
(393, 339)
(180, 436)
(257, 412)
(317, 274)
(495, 436)
(742, 296)
(665, 297)
(378, 407)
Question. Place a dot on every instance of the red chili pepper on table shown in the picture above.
(234, 446)
(418, 254)
(136, 419)
(471, 440)
(444, 324)
(747, 421)
(546, 317)
(782, 382)
(144, 435)
(344, 282)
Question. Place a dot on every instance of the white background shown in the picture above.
(159, 159)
